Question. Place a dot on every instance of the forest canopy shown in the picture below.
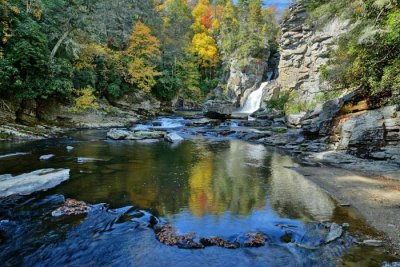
(106, 49)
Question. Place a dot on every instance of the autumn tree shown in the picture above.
(143, 49)
(203, 44)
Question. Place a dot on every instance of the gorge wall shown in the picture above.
(347, 123)
(304, 50)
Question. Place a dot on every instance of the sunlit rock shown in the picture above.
(28, 183)
(173, 138)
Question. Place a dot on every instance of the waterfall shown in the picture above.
(253, 101)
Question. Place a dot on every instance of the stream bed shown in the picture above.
(210, 187)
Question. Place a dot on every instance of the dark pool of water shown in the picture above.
(223, 188)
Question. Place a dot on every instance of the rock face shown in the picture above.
(369, 134)
(217, 109)
(28, 183)
(304, 49)
(242, 80)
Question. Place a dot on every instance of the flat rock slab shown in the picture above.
(28, 183)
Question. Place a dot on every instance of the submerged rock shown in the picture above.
(168, 235)
(88, 160)
(71, 207)
(255, 240)
(173, 138)
(373, 243)
(28, 183)
(218, 241)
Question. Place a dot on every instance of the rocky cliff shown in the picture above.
(243, 78)
(304, 49)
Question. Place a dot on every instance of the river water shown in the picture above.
(222, 188)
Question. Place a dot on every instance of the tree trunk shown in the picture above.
(59, 42)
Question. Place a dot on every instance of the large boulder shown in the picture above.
(218, 109)
(141, 135)
(173, 138)
(118, 134)
(28, 183)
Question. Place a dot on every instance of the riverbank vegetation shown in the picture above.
(73, 50)
(367, 57)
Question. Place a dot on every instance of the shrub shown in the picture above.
(85, 100)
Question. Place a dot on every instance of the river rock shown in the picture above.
(254, 240)
(373, 243)
(173, 138)
(71, 207)
(202, 122)
(218, 109)
(295, 119)
(220, 242)
(118, 134)
(168, 235)
(268, 114)
(28, 183)
(46, 157)
(141, 135)
(335, 232)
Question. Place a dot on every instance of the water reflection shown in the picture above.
(202, 178)
(213, 188)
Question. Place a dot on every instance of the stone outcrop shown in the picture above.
(369, 134)
(304, 49)
(218, 109)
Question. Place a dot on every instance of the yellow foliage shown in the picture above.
(142, 49)
(87, 55)
(85, 101)
(201, 197)
(205, 47)
(142, 43)
(141, 75)
(15, 10)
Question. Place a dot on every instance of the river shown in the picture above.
(209, 186)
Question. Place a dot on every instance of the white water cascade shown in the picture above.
(253, 101)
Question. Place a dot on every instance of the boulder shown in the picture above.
(294, 119)
(118, 134)
(267, 114)
(28, 183)
(141, 135)
(218, 109)
(173, 138)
